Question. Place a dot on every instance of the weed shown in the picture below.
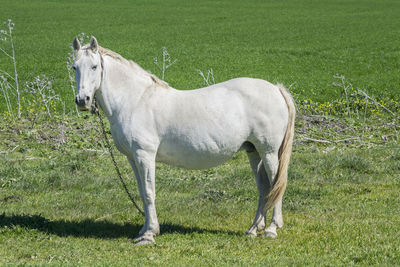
(6, 36)
(209, 79)
(44, 97)
(342, 84)
(6, 89)
(354, 103)
(166, 62)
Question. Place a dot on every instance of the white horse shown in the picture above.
(150, 121)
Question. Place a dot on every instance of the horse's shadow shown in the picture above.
(90, 228)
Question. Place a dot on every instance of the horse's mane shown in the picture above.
(107, 52)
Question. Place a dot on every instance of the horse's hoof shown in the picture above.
(260, 227)
(145, 242)
(251, 233)
(137, 239)
(270, 234)
(148, 240)
(145, 239)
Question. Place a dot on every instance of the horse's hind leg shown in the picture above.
(262, 185)
(271, 163)
(276, 222)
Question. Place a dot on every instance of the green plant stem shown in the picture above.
(15, 76)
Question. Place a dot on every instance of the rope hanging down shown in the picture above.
(96, 110)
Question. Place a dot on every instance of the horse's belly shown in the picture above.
(194, 157)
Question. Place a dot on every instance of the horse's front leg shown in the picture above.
(144, 169)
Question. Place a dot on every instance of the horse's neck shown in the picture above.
(121, 88)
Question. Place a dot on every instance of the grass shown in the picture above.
(303, 43)
(63, 204)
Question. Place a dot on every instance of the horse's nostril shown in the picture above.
(87, 98)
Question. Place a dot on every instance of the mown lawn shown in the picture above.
(300, 43)
(61, 202)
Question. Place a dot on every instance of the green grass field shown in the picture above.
(303, 43)
(61, 202)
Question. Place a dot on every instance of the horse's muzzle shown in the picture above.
(83, 103)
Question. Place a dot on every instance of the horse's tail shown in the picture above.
(285, 150)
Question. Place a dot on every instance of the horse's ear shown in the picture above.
(94, 45)
(76, 44)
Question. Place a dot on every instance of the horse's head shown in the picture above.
(88, 72)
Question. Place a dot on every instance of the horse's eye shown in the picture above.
(94, 67)
(74, 67)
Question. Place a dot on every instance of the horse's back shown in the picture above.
(254, 103)
(250, 91)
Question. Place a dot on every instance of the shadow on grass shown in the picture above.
(93, 229)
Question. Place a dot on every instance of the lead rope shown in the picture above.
(96, 110)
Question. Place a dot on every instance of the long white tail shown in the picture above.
(280, 182)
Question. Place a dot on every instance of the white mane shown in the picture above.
(139, 70)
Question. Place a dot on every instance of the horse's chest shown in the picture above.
(121, 139)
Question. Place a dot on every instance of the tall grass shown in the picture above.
(165, 61)
(209, 78)
(6, 37)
